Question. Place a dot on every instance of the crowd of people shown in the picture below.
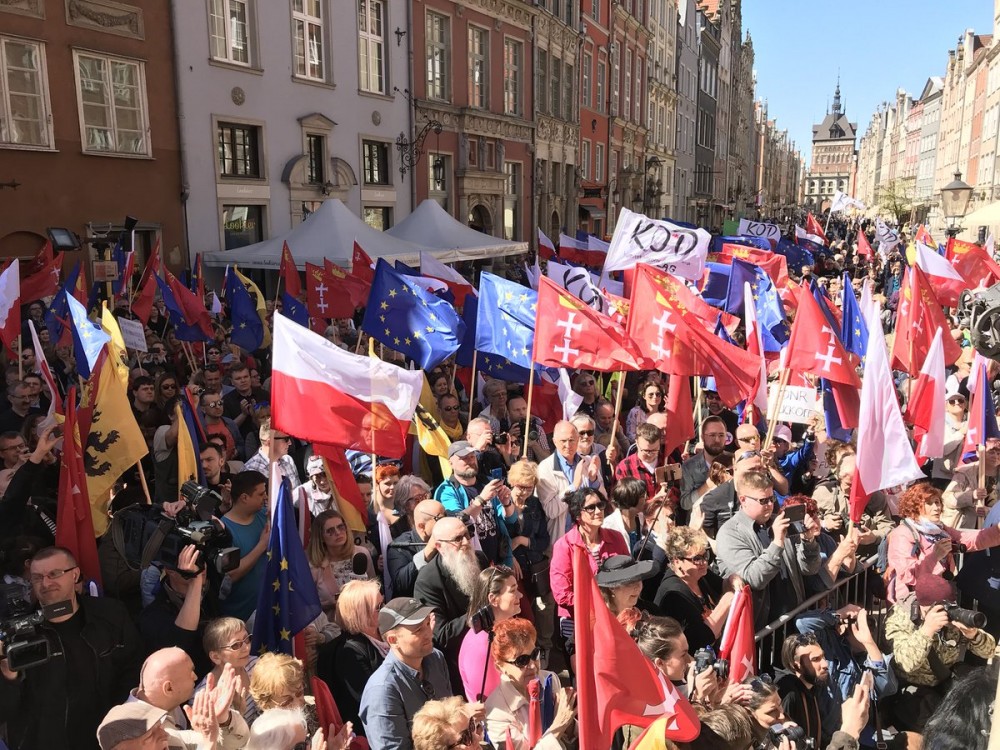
(441, 618)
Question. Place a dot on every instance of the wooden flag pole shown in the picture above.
(698, 395)
(142, 480)
(20, 360)
(773, 421)
(472, 385)
(527, 419)
(981, 457)
(619, 393)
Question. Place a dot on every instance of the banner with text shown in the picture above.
(678, 250)
(799, 404)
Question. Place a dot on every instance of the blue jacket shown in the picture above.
(455, 499)
(794, 461)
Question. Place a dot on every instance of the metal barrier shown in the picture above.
(853, 589)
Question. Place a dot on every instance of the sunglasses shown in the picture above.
(759, 500)
(449, 408)
(702, 558)
(593, 509)
(586, 433)
(954, 401)
(213, 404)
(458, 540)
(752, 439)
(468, 735)
(525, 659)
(237, 645)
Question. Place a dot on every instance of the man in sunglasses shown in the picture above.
(755, 545)
(217, 423)
(719, 504)
(413, 549)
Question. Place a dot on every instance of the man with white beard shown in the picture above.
(446, 583)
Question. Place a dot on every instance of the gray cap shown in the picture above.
(128, 721)
(460, 448)
(403, 610)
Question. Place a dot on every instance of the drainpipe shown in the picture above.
(411, 103)
(533, 239)
(185, 187)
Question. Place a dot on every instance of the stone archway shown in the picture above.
(480, 219)
(555, 227)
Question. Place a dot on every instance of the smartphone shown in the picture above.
(496, 474)
(868, 680)
(668, 473)
(795, 514)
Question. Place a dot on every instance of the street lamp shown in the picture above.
(955, 197)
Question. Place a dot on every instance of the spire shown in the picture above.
(836, 97)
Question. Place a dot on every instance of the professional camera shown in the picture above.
(483, 619)
(705, 657)
(24, 646)
(525, 428)
(501, 438)
(968, 617)
(795, 734)
(144, 534)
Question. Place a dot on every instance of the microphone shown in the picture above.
(534, 712)
(360, 564)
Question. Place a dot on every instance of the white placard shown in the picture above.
(678, 250)
(133, 334)
(798, 404)
(759, 229)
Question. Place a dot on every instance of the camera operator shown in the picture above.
(538, 444)
(182, 606)
(217, 476)
(929, 637)
(807, 675)
(94, 664)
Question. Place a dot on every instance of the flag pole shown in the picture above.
(981, 457)
(527, 419)
(697, 409)
(472, 385)
(773, 421)
(20, 361)
(142, 480)
(620, 391)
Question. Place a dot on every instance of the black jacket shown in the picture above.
(157, 625)
(36, 705)
(718, 506)
(435, 588)
(356, 661)
(402, 571)
(674, 599)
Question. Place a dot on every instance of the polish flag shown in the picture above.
(925, 409)
(804, 234)
(948, 283)
(815, 229)
(546, 248)
(885, 458)
(10, 306)
(460, 286)
(324, 394)
(755, 346)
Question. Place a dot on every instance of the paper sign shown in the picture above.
(759, 229)
(133, 334)
(798, 404)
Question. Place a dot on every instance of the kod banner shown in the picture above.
(678, 250)
(760, 229)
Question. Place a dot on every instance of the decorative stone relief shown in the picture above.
(238, 96)
(514, 13)
(107, 16)
(376, 118)
(34, 8)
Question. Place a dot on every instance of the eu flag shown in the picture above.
(288, 600)
(741, 273)
(57, 316)
(409, 319)
(795, 255)
(490, 364)
(770, 312)
(854, 330)
(506, 323)
(716, 288)
(182, 329)
(758, 242)
(88, 338)
(248, 329)
(293, 309)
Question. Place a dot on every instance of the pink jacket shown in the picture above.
(908, 567)
(561, 568)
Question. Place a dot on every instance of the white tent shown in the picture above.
(329, 232)
(451, 240)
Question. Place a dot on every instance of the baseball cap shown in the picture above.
(128, 721)
(460, 448)
(403, 610)
(782, 432)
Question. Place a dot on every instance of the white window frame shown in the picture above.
(479, 93)
(585, 160)
(601, 76)
(586, 94)
(6, 108)
(599, 163)
(627, 104)
(513, 67)
(228, 32)
(638, 90)
(439, 86)
(305, 26)
(368, 42)
(143, 104)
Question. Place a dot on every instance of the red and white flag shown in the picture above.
(814, 228)
(459, 286)
(973, 262)
(864, 248)
(805, 234)
(362, 265)
(737, 644)
(757, 403)
(546, 248)
(814, 347)
(10, 307)
(325, 297)
(885, 458)
(925, 409)
(918, 316)
(948, 283)
(289, 272)
(321, 393)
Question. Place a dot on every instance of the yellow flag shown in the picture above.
(117, 353)
(261, 305)
(114, 444)
(427, 427)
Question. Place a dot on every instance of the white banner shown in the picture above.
(887, 236)
(578, 282)
(133, 334)
(842, 201)
(798, 405)
(680, 251)
(760, 229)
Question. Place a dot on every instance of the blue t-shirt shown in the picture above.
(242, 599)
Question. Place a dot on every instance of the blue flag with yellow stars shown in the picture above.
(407, 318)
(248, 329)
(88, 338)
(288, 600)
(770, 312)
(489, 364)
(294, 310)
(854, 329)
(506, 320)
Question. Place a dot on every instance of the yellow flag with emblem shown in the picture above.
(261, 305)
(426, 425)
(113, 445)
(117, 352)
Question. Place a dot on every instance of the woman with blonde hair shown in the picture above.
(226, 641)
(447, 724)
(332, 554)
(278, 681)
(362, 650)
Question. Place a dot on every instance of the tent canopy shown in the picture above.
(430, 225)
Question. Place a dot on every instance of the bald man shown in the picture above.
(167, 682)
(412, 550)
(562, 472)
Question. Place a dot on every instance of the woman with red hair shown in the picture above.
(923, 544)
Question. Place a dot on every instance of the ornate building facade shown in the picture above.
(833, 158)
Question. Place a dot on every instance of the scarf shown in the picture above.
(454, 433)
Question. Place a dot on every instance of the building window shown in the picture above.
(615, 79)
(316, 151)
(25, 116)
(437, 35)
(595, 10)
(378, 217)
(627, 108)
(239, 150)
(512, 77)
(555, 82)
(242, 225)
(601, 74)
(540, 81)
(569, 95)
(479, 73)
(371, 46)
(307, 24)
(588, 62)
(638, 90)
(511, 201)
(112, 98)
(585, 160)
(376, 158)
(229, 28)
(599, 162)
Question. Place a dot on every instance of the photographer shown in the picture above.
(538, 444)
(178, 614)
(929, 637)
(19, 513)
(58, 704)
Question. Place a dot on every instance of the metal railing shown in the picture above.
(853, 589)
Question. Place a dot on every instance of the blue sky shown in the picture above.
(878, 46)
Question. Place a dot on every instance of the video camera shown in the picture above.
(796, 736)
(24, 645)
(144, 534)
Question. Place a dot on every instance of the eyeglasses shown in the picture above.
(468, 736)
(433, 517)
(702, 558)
(213, 404)
(168, 386)
(237, 645)
(654, 393)
(418, 497)
(288, 700)
(595, 508)
(458, 541)
(769, 500)
(586, 433)
(282, 437)
(750, 439)
(649, 451)
(525, 488)
(449, 408)
(525, 659)
(52, 575)
(958, 400)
